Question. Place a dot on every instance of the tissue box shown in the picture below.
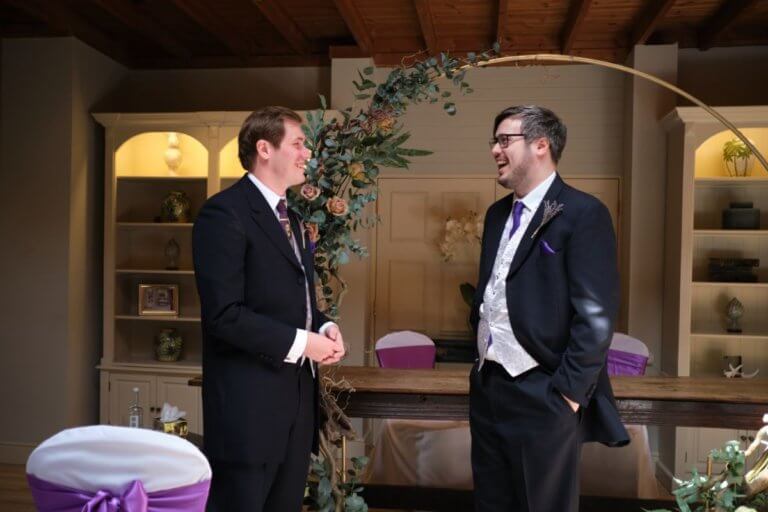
(177, 428)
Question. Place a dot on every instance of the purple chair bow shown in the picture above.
(115, 469)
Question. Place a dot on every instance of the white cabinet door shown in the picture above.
(121, 396)
(176, 391)
(710, 438)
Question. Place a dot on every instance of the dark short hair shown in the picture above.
(267, 124)
(537, 122)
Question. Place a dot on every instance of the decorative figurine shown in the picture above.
(734, 311)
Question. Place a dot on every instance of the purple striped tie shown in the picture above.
(517, 212)
(282, 213)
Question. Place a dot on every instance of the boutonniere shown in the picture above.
(303, 230)
(551, 210)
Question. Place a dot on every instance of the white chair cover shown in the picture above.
(104, 457)
(627, 471)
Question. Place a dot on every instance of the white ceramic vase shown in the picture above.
(173, 153)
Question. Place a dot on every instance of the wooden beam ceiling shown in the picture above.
(355, 24)
(502, 22)
(719, 22)
(209, 20)
(132, 14)
(275, 14)
(648, 21)
(426, 21)
(63, 19)
(576, 16)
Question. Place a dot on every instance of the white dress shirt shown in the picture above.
(494, 313)
(300, 340)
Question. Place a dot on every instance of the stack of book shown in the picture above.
(733, 270)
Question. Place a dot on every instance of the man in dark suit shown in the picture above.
(543, 313)
(260, 325)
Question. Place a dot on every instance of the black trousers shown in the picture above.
(270, 486)
(525, 443)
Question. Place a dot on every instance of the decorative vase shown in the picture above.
(172, 250)
(734, 311)
(739, 166)
(168, 345)
(173, 153)
(175, 207)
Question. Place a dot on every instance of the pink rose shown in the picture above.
(337, 206)
(310, 192)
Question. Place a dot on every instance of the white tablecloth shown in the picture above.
(437, 454)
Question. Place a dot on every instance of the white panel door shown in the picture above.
(415, 289)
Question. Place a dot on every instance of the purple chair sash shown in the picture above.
(626, 363)
(50, 497)
(419, 356)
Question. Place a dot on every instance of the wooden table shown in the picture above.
(443, 394)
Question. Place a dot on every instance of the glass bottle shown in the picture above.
(135, 412)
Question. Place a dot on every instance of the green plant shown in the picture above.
(328, 492)
(735, 148)
(348, 152)
(724, 492)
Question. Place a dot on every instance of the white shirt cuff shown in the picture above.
(325, 327)
(298, 347)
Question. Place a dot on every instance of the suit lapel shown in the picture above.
(528, 241)
(266, 220)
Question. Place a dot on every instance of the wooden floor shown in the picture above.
(14, 493)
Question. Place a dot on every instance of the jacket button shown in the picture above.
(300, 281)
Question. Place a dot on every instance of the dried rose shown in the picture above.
(337, 206)
(313, 232)
(310, 192)
(386, 125)
(357, 171)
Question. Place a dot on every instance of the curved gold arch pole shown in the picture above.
(553, 57)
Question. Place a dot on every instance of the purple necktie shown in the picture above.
(517, 212)
(282, 213)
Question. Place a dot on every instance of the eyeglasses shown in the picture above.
(503, 139)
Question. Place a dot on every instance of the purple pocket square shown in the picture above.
(546, 247)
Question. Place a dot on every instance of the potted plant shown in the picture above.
(737, 158)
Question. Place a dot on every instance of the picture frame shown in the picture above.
(158, 300)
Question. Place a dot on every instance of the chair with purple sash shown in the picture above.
(405, 349)
(103, 468)
(626, 471)
(418, 452)
(627, 356)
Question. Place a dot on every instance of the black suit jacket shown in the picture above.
(252, 300)
(562, 306)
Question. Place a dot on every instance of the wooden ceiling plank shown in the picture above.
(355, 24)
(128, 14)
(648, 20)
(201, 12)
(67, 21)
(275, 14)
(234, 61)
(576, 16)
(502, 24)
(719, 22)
(426, 21)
